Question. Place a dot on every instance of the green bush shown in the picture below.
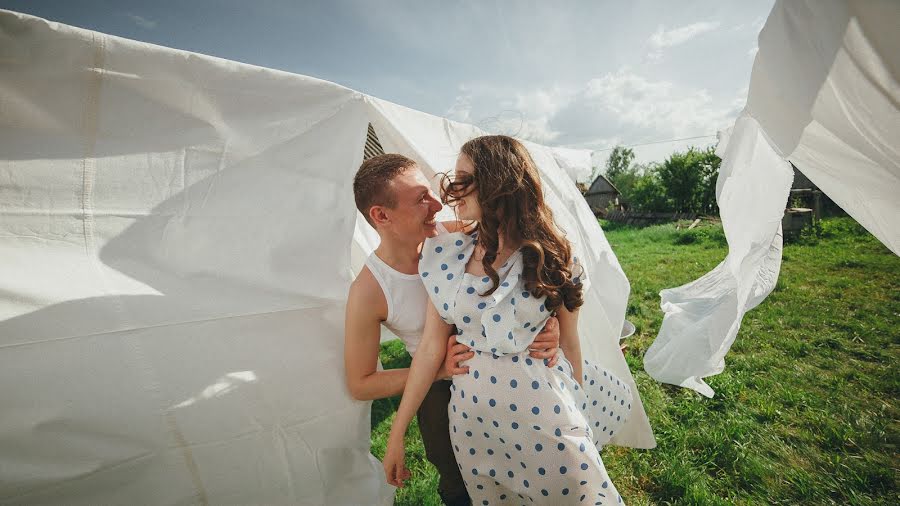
(841, 227)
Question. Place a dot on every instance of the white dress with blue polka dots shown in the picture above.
(523, 433)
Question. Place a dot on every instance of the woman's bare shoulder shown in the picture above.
(458, 226)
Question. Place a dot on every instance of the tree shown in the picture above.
(625, 181)
(684, 182)
(708, 166)
(689, 180)
(621, 172)
(680, 179)
(619, 162)
(648, 192)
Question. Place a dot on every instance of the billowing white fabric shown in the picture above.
(576, 162)
(177, 239)
(702, 318)
(824, 95)
(175, 244)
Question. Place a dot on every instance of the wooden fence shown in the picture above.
(641, 219)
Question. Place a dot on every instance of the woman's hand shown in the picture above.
(394, 463)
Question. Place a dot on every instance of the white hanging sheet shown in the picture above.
(824, 95)
(175, 240)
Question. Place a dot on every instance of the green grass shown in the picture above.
(805, 411)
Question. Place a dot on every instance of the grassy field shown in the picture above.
(806, 409)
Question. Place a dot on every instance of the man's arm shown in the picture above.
(366, 309)
(546, 343)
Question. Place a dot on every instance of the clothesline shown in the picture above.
(657, 142)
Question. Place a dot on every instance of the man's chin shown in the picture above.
(430, 230)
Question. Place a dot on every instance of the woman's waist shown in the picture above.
(495, 347)
(514, 365)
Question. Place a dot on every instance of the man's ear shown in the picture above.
(378, 215)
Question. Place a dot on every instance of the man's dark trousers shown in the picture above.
(435, 428)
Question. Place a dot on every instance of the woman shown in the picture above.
(522, 432)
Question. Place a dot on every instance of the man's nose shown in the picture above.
(436, 204)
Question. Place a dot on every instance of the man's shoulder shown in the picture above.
(365, 284)
(366, 290)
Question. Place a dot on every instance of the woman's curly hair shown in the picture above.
(512, 204)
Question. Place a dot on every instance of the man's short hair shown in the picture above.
(372, 184)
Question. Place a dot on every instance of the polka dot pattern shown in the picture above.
(534, 441)
(523, 433)
(504, 322)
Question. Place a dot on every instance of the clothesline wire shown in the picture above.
(657, 142)
(486, 125)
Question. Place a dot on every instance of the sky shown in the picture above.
(581, 74)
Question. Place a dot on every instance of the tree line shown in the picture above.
(683, 183)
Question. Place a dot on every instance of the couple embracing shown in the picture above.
(487, 306)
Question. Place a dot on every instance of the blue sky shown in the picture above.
(586, 74)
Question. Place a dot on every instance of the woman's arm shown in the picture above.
(568, 339)
(428, 358)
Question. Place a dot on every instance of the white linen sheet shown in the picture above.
(824, 95)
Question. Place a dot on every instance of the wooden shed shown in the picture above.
(805, 206)
(600, 194)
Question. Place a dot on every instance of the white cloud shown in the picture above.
(753, 26)
(620, 107)
(740, 99)
(142, 22)
(629, 106)
(752, 52)
(461, 110)
(537, 108)
(511, 111)
(663, 38)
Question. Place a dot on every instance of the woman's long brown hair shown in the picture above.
(512, 205)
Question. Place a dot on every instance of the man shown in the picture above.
(396, 199)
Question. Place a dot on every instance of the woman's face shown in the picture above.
(467, 208)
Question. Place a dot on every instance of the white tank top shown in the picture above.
(406, 300)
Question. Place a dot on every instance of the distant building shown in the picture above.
(805, 193)
(600, 194)
(806, 205)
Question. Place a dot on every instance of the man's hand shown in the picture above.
(546, 343)
(456, 353)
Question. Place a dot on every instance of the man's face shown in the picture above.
(413, 216)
